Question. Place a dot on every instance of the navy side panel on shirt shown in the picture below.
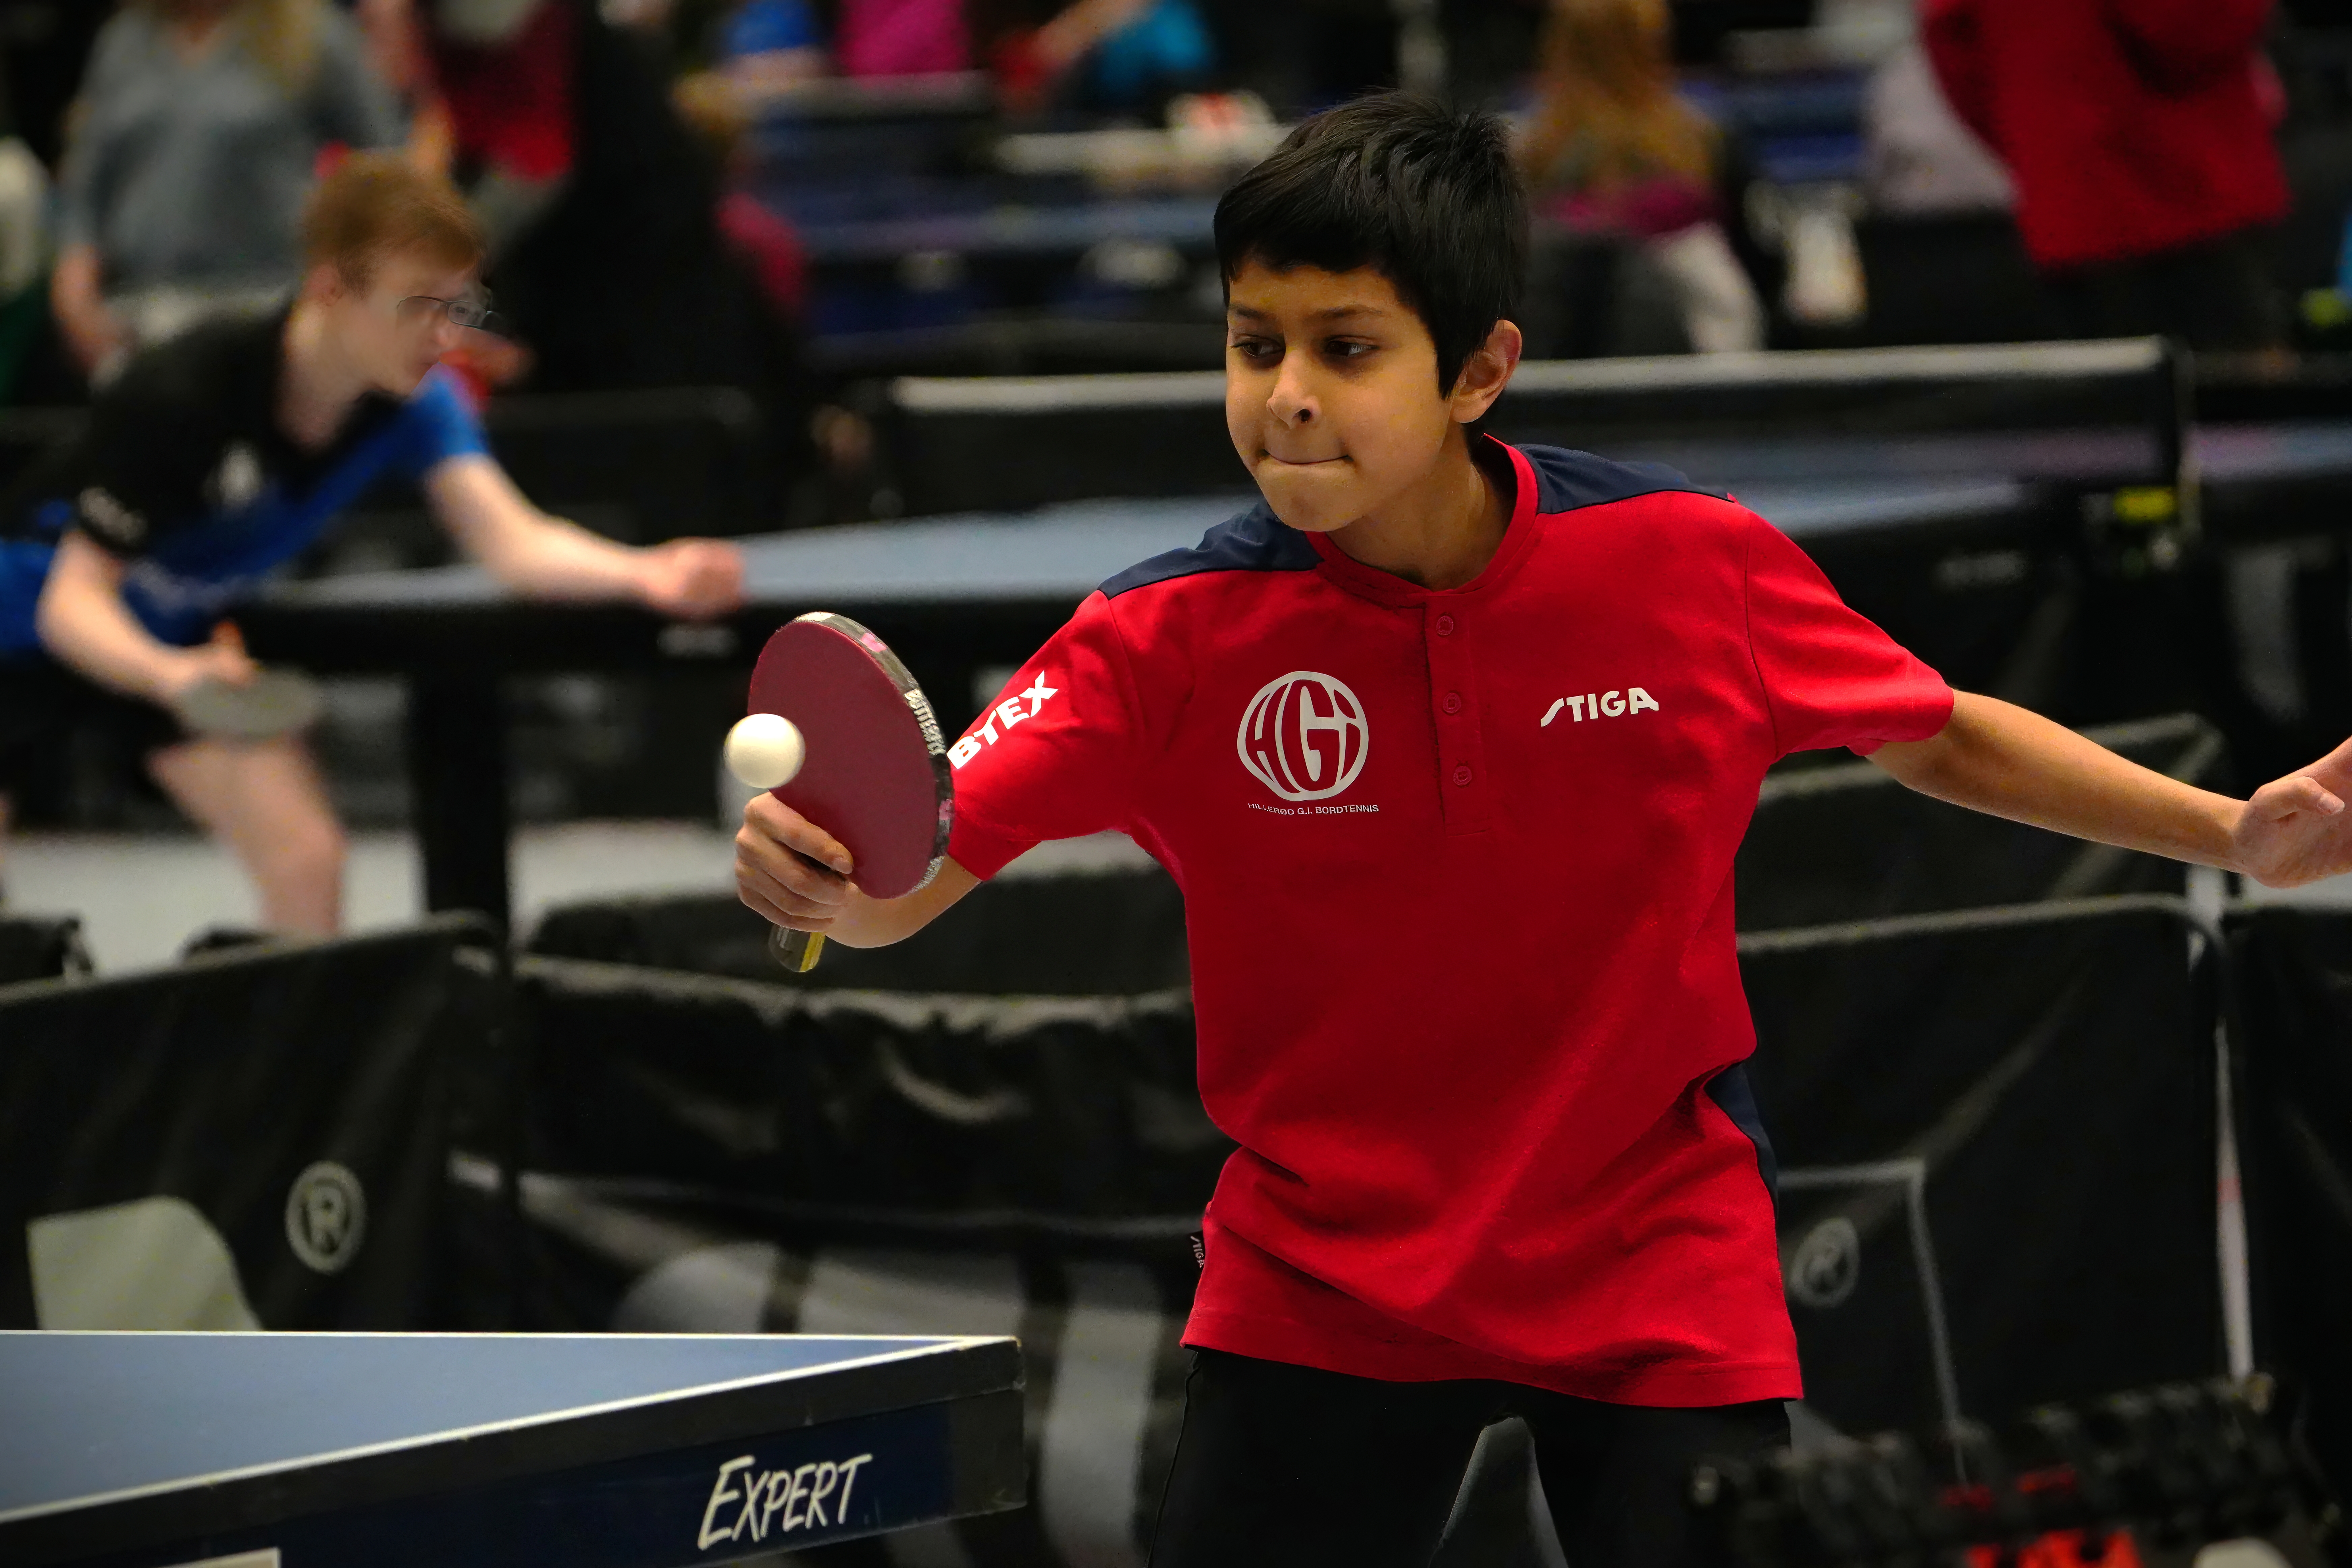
(1736, 1097)
(1257, 541)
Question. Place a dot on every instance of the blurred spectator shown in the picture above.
(1612, 148)
(2139, 136)
(602, 211)
(196, 137)
(901, 37)
(1118, 55)
(767, 44)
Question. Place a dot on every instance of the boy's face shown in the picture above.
(1331, 393)
(391, 328)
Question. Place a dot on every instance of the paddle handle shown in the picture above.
(797, 951)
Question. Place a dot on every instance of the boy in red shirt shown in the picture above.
(1450, 746)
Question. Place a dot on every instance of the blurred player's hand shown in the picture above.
(222, 659)
(692, 579)
(788, 870)
(2295, 829)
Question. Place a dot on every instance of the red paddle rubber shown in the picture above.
(875, 773)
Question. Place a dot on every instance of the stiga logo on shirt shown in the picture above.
(1601, 705)
(1304, 736)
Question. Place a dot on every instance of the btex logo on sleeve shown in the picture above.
(999, 721)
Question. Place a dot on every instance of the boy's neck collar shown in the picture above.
(1449, 535)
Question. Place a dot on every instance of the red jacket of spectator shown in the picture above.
(2129, 126)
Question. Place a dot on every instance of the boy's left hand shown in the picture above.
(694, 579)
(2295, 830)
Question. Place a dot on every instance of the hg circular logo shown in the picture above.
(1303, 736)
(326, 1216)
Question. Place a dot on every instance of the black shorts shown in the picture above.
(1288, 1465)
(44, 707)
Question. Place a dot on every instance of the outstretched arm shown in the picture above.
(1996, 757)
(550, 558)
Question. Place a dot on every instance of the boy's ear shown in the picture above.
(1487, 371)
(325, 283)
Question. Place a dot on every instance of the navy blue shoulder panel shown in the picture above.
(1567, 480)
(1255, 541)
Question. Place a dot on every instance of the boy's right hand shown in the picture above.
(222, 659)
(792, 872)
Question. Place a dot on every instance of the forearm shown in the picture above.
(83, 623)
(878, 922)
(553, 558)
(2001, 759)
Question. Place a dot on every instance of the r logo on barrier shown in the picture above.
(1828, 1263)
(326, 1216)
(1304, 736)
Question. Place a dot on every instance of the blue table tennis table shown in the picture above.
(275, 1450)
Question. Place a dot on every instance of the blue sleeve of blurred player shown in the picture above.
(767, 26)
(440, 424)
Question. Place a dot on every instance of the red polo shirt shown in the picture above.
(1457, 879)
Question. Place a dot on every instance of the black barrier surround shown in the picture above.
(1846, 842)
(1115, 933)
(2292, 996)
(252, 1140)
(41, 947)
(2053, 1070)
(1075, 1106)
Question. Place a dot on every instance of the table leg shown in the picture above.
(457, 772)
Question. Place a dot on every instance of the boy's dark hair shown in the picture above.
(1426, 195)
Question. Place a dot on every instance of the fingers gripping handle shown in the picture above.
(797, 951)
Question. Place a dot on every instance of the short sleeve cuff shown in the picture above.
(982, 849)
(1932, 715)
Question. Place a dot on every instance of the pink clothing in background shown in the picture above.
(902, 38)
(1647, 209)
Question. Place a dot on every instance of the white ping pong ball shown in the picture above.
(764, 751)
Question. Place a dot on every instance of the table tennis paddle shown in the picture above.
(274, 702)
(873, 771)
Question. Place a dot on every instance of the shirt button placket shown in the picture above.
(1453, 690)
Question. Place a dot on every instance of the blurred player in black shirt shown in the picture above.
(218, 457)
